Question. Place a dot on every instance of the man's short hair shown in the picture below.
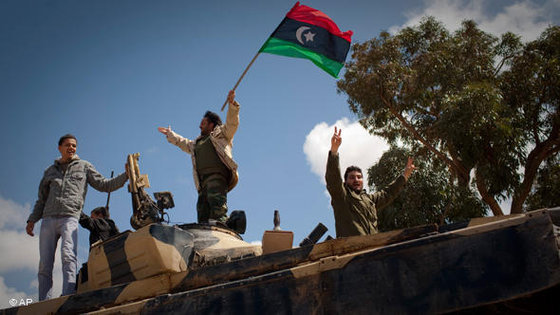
(66, 136)
(352, 168)
(101, 211)
(213, 118)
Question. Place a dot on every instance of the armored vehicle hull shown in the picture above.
(507, 264)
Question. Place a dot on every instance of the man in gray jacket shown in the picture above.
(61, 197)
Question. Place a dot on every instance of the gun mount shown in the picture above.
(144, 209)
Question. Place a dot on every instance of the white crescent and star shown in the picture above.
(308, 36)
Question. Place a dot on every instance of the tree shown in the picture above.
(485, 107)
(546, 192)
(428, 197)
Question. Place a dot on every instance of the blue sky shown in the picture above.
(111, 72)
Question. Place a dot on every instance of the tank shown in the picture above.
(508, 264)
(158, 249)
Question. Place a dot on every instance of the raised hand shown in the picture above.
(409, 168)
(336, 140)
(231, 97)
(164, 130)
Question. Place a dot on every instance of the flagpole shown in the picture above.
(241, 77)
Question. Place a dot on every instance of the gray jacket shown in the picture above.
(63, 194)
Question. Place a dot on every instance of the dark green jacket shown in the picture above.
(356, 213)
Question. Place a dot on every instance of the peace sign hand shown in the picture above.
(336, 140)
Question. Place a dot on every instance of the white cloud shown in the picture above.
(23, 251)
(20, 252)
(358, 147)
(449, 12)
(13, 215)
(525, 18)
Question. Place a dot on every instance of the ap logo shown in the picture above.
(15, 302)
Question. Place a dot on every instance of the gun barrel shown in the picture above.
(132, 165)
(314, 236)
(144, 209)
(109, 194)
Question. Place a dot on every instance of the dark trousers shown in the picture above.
(212, 199)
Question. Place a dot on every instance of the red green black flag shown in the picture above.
(310, 34)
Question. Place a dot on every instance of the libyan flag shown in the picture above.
(310, 34)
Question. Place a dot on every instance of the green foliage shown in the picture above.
(477, 103)
(428, 196)
(546, 193)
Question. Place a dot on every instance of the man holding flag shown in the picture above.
(304, 33)
(214, 170)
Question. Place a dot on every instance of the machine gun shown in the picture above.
(144, 209)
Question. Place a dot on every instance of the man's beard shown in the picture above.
(356, 190)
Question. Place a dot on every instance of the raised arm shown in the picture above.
(335, 185)
(409, 168)
(232, 117)
(336, 140)
(101, 183)
(174, 138)
(386, 196)
(164, 130)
